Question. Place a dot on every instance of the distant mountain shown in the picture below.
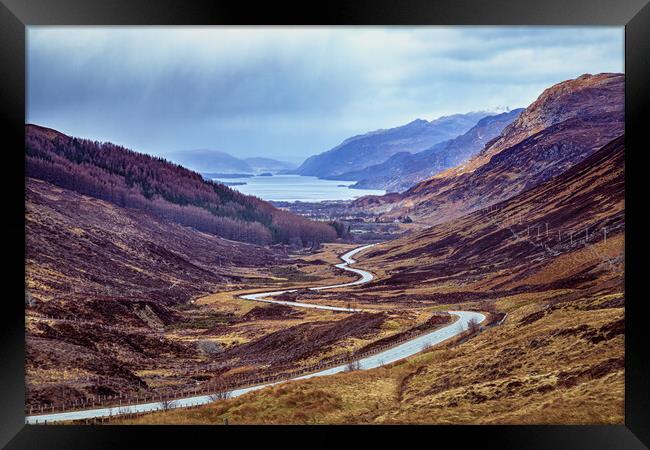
(261, 165)
(566, 124)
(373, 148)
(212, 161)
(403, 170)
(164, 190)
(204, 160)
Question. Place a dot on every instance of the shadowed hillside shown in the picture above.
(519, 237)
(403, 170)
(103, 281)
(81, 244)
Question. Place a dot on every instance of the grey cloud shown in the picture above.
(290, 92)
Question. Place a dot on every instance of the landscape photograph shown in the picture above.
(240, 225)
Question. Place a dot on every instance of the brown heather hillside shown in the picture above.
(77, 243)
(557, 358)
(585, 96)
(102, 281)
(514, 239)
(565, 125)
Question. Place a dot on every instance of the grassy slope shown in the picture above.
(511, 374)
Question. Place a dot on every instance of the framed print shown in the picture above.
(422, 217)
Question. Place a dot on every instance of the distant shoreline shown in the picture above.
(210, 175)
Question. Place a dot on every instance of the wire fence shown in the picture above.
(553, 240)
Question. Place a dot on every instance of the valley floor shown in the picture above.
(547, 363)
(151, 307)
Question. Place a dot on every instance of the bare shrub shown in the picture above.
(352, 366)
(167, 404)
(472, 325)
(426, 346)
(488, 305)
(218, 396)
(208, 347)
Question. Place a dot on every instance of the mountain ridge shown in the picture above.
(213, 161)
(403, 170)
(374, 147)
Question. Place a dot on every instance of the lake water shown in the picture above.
(291, 188)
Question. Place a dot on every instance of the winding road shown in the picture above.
(387, 356)
(345, 265)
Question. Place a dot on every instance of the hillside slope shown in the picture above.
(130, 179)
(515, 238)
(565, 125)
(375, 147)
(77, 243)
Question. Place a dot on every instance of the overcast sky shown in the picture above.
(290, 92)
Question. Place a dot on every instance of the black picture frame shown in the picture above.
(15, 15)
